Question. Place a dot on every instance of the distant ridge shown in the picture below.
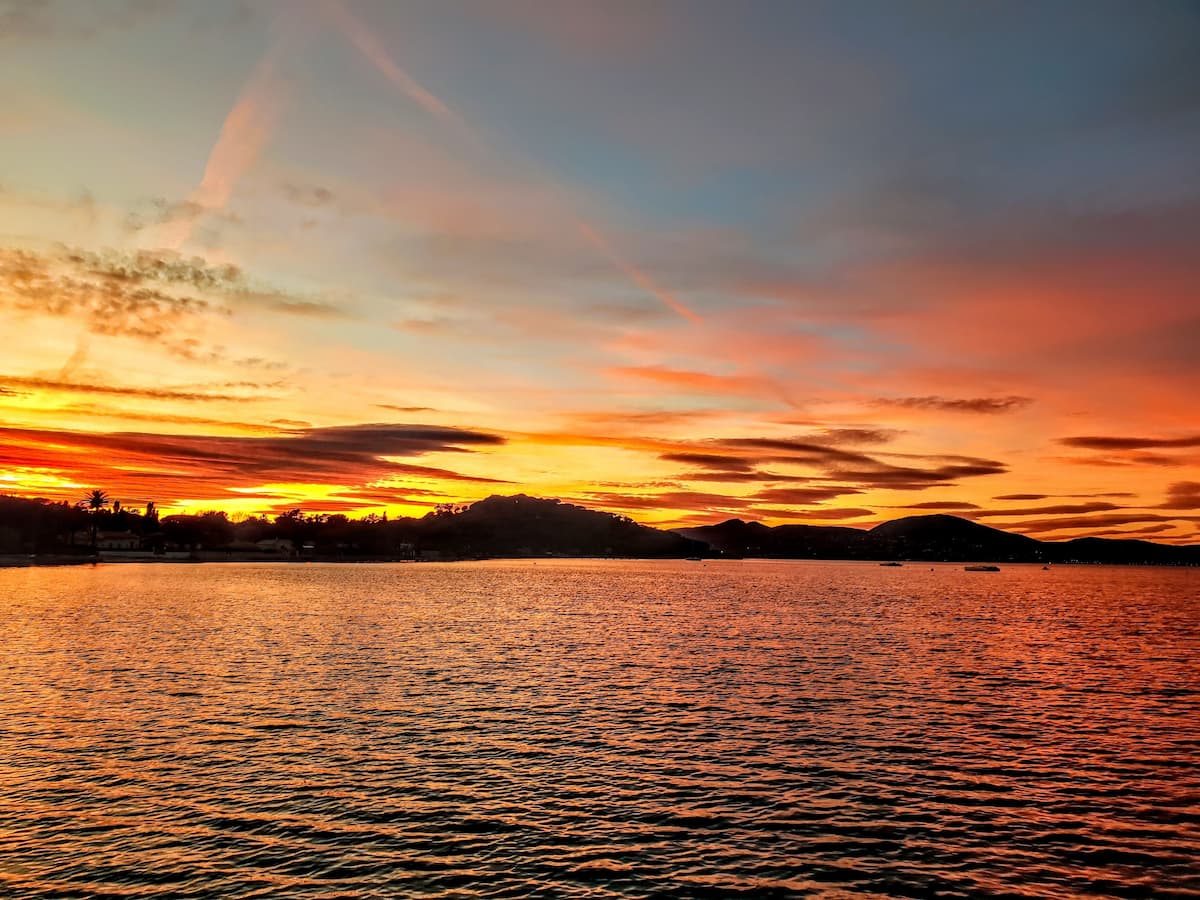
(524, 526)
(927, 538)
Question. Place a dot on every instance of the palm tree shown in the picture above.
(95, 501)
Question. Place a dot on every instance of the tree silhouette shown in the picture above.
(95, 501)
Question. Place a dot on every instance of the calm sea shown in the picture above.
(599, 729)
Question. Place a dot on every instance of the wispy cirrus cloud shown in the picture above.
(368, 45)
(313, 196)
(860, 435)
(985, 405)
(1144, 531)
(637, 275)
(689, 381)
(186, 394)
(800, 472)
(370, 48)
(161, 418)
(1089, 524)
(158, 212)
(752, 476)
(1110, 442)
(714, 461)
(405, 409)
(46, 20)
(801, 496)
(841, 469)
(912, 478)
(1182, 495)
(944, 505)
(800, 450)
(1122, 495)
(244, 133)
(826, 514)
(1061, 509)
(1112, 451)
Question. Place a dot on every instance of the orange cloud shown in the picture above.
(1089, 524)
(987, 405)
(173, 467)
(10, 384)
(698, 382)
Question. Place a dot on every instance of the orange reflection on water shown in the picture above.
(592, 726)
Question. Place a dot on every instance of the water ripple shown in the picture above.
(599, 730)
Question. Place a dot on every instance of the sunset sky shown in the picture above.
(793, 262)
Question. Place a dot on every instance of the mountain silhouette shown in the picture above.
(524, 526)
(530, 526)
(931, 538)
(934, 537)
(944, 537)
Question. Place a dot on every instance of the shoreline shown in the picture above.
(27, 561)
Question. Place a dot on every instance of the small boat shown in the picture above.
(894, 565)
(981, 568)
(692, 559)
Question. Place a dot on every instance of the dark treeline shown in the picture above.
(497, 526)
